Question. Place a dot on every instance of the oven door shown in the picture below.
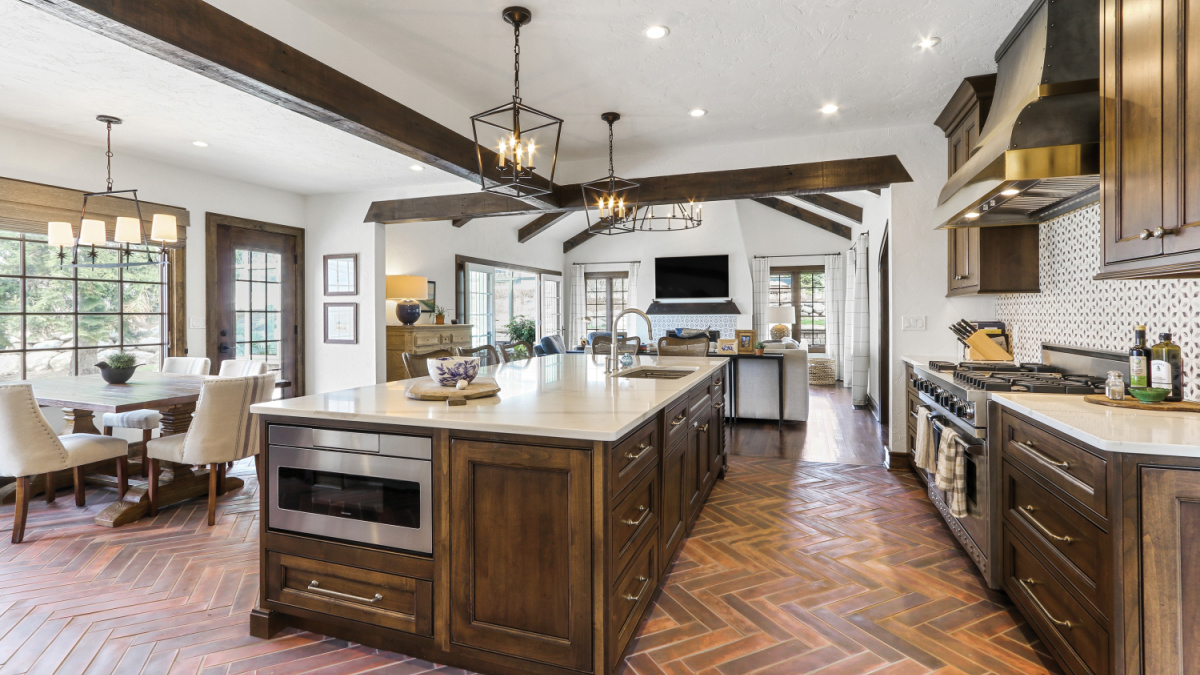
(366, 499)
(975, 454)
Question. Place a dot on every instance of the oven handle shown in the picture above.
(969, 448)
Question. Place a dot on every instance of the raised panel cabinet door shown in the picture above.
(1171, 573)
(705, 434)
(716, 444)
(520, 551)
(963, 267)
(691, 487)
(673, 506)
(1185, 127)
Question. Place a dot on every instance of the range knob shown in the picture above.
(968, 411)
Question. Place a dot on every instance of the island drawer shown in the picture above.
(630, 596)
(388, 600)
(632, 455)
(716, 387)
(699, 404)
(676, 423)
(1078, 549)
(634, 516)
(1075, 471)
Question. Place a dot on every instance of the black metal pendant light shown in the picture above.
(518, 133)
(611, 202)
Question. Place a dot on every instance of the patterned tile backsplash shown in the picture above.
(1074, 309)
(726, 323)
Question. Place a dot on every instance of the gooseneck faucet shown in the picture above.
(612, 364)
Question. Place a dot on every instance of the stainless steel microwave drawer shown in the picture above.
(392, 445)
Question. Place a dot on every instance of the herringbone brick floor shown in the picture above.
(793, 568)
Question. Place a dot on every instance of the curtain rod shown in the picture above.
(798, 255)
(613, 262)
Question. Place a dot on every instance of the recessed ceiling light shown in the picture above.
(1011, 192)
(656, 32)
(698, 112)
(929, 42)
(417, 167)
(830, 109)
(200, 144)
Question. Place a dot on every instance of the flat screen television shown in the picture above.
(691, 277)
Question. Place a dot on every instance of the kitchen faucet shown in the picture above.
(612, 365)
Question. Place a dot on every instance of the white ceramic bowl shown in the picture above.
(448, 371)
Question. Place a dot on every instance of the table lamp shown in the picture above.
(783, 316)
(406, 290)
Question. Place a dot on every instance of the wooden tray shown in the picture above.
(428, 390)
(1133, 403)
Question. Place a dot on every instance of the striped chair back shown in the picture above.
(186, 365)
(223, 428)
(242, 368)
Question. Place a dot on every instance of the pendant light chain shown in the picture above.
(611, 172)
(517, 62)
(109, 155)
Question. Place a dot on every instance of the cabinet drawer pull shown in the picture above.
(643, 447)
(1028, 585)
(634, 598)
(645, 511)
(720, 405)
(914, 414)
(1028, 447)
(679, 420)
(1028, 511)
(702, 429)
(316, 588)
(718, 383)
(959, 277)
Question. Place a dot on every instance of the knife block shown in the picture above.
(981, 347)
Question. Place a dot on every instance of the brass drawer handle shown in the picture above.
(914, 414)
(638, 455)
(1028, 511)
(720, 405)
(634, 598)
(645, 513)
(959, 277)
(1040, 455)
(316, 588)
(703, 428)
(679, 420)
(718, 383)
(1028, 584)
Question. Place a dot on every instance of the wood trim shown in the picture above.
(540, 225)
(839, 206)
(577, 241)
(177, 302)
(463, 259)
(806, 216)
(459, 222)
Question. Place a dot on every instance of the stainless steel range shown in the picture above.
(956, 396)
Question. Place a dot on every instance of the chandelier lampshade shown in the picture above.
(164, 228)
(60, 234)
(91, 233)
(611, 202)
(129, 231)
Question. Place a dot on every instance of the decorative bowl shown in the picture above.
(1149, 394)
(116, 375)
(448, 371)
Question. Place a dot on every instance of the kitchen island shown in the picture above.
(523, 533)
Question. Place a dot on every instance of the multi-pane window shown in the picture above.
(60, 320)
(515, 295)
(258, 305)
(606, 295)
(803, 288)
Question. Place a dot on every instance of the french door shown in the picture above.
(550, 321)
(490, 294)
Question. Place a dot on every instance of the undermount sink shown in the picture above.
(649, 373)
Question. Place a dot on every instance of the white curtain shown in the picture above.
(859, 334)
(576, 330)
(762, 297)
(632, 324)
(835, 309)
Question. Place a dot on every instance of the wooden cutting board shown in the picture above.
(1134, 404)
(427, 390)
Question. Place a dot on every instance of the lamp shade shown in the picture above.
(164, 228)
(129, 230)
(60, 234)
(785, 314)
(407, 287)
(91, 233)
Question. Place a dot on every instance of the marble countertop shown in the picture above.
(924, 360)
(1110, 429)
(561, 396)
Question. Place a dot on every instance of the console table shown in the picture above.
(421, 338)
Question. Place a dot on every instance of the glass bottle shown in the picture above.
(1139, 359)
(1114, 387)
(1166, 367)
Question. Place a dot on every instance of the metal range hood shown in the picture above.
(1038, 155)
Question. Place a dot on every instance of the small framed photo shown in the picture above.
(745, 341)
(341, 274)
(430, 301)
(727, 347)
(341, 323)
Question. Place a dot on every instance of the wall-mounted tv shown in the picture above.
(691, 277)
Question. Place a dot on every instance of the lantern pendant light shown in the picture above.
(510, 139)
(611, 202)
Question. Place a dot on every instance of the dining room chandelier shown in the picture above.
(128, 232)
(611, 203)
(675, 217)
(521, 134)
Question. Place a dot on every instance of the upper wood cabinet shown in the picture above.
(964, 117)
(1150, 130)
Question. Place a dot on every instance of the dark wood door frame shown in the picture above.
(213, 311)
(885, 336)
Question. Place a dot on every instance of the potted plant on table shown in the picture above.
(439, 314)
(759, 348)
(119, 368)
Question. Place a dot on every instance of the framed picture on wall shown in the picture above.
(727, 347)
(430, 301)
(745, 341)
(341, 323)
(341, 274)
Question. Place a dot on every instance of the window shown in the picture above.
(804, 288)
(607, 294)
(57, 320)
(490, 294)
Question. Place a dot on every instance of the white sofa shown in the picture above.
(758, 388)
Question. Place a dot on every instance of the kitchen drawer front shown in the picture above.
(716, 386)
(699, 404)
(1082, 642)
(631, 456)
(1064, 464)
(1080, 551)
(676, 422)
(456, 339)
(631, 595)
(388, 600)
(914, 403)
(633, 517)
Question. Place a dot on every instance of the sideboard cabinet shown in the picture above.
(421, 338)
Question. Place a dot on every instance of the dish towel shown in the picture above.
(923, 455)
(952, 473)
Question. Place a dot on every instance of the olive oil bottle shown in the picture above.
(1166, 367)
(1139, 359)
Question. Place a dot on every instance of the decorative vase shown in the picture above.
(440, 318)
(449, 370)
(115, 375)
(408, 312)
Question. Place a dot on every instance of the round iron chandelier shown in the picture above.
(677, 218)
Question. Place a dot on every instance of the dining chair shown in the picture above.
(673, 346)
(488, 356)
(29, 447)
(415, 363)
(512, 351)
(554, 344)
(223, 430)
(186, 365)
(242, 368)
(630, 345)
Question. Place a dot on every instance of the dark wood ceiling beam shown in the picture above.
(713, 186)
(577, 241)
(839, 206)
(198, 37)
(459, 222)
(806, 216)
(540, 225)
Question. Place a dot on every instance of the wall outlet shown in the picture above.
(196, 322)
(912, 323)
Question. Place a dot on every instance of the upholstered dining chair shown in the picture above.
(242, 368)
(554, 344)
(673, 346)
(629, 345)
(488, 356)
(415, 363)
(29, 447)
(186, 365)
(148, 420)
(223, 430)
(512, 351)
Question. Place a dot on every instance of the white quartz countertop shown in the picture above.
(1110, 429)
(559, 396)
(924, 360)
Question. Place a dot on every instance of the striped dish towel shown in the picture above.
(923, 455)
(952, 472)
